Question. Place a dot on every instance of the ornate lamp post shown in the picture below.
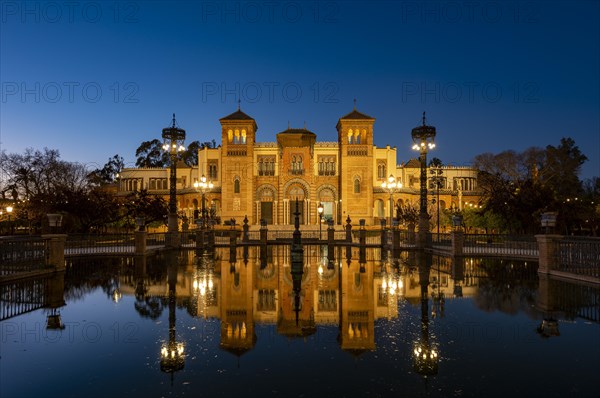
(173, 138)
(203, 186)
(437, 179)
(423, 139)
(320, 211)
(391, 185)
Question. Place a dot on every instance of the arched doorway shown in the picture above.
(266, 197)
(296, 196)
(326, 196)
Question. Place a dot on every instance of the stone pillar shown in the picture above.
(173, 239)
(55, 246)
(200, 235)
(458, 240)
(411, 234)
(547, 247)
(383, 234)
(140, 242)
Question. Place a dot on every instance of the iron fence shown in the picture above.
(522, 245)
(579, 255)
(22, 254)
(94, 243)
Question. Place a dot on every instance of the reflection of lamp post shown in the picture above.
(9, 210)
(423, 138)
(203, 186)
(391, 185)
(425, 354)
(320, 211)
(172, 357)
(173, 144)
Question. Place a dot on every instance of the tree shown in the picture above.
(46, 184)
(152, 154)
(109, 173)
(407, 214)
(519, 187)
(142, 204)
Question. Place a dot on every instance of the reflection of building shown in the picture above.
(261, 179)
(237, 309)
(357, 325)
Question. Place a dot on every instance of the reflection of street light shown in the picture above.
(9, 210)
(320, 211)
(423, 138)
(173, 144)
(391, 185)
(203, 186)
(172, 357)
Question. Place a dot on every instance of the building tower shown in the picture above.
(238, 136)
(355, 137)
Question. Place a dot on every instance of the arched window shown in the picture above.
(350, 134)
(236, 185)
(243, 136)
(381, 170)
(379, 208)
(356, 185)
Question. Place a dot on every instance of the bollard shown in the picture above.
(362, 233)
(348, 230)
(246, 228)
(263, 232)
(330, 246)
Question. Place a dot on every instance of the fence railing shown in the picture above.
(441, 239)
(502, 244)
(156, 239)
(93, 243)
(22, 254)
(579, 255)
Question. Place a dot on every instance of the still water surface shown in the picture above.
(181, 324)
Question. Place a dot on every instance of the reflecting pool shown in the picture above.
(242, 323)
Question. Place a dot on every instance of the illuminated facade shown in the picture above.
(261, 180)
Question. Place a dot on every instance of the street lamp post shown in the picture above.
(9, 210)
(320, 211)
(423, 139)
(438, 180)
(391, 185)
(203, 186)
(173, 138)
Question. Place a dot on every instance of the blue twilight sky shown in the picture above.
(95, 79)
